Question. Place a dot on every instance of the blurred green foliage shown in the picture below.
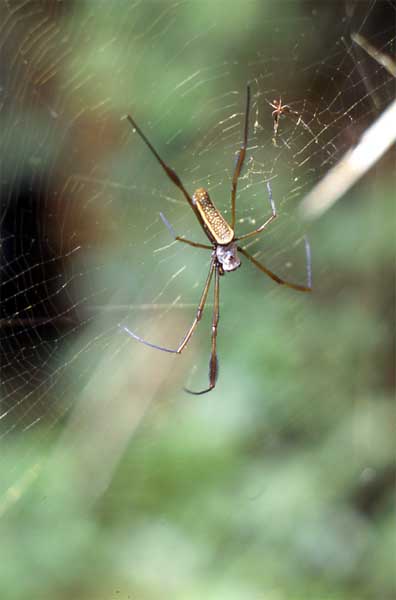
(279, 484)
(278, 488)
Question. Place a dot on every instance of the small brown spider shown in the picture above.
(280, 109)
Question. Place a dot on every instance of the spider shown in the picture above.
(280, 109)
(223, 245)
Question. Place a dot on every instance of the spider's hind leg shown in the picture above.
(279, 280)
(177, 238)
(267, 222)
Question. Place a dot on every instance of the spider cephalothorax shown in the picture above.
(228, 257)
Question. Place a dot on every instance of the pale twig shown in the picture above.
(373, 144)
(380, 57)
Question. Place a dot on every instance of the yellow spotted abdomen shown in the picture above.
(212, 218)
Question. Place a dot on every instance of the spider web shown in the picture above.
(83, 246)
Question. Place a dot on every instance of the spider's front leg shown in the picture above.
(189, 333)
(213, 362)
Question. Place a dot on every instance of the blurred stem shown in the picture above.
(373, 144)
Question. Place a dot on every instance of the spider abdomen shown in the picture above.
(213, 220)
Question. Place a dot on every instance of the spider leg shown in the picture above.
(294, 286)
(267, 222)
(170, 172)
(240, 159)
(191, 330)
(213, 362)
(276, 115)
(181, 239)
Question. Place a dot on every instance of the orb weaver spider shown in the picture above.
(284, 109)
(223, 246)
(280, 109)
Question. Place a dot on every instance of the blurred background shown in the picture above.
(114, 483)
